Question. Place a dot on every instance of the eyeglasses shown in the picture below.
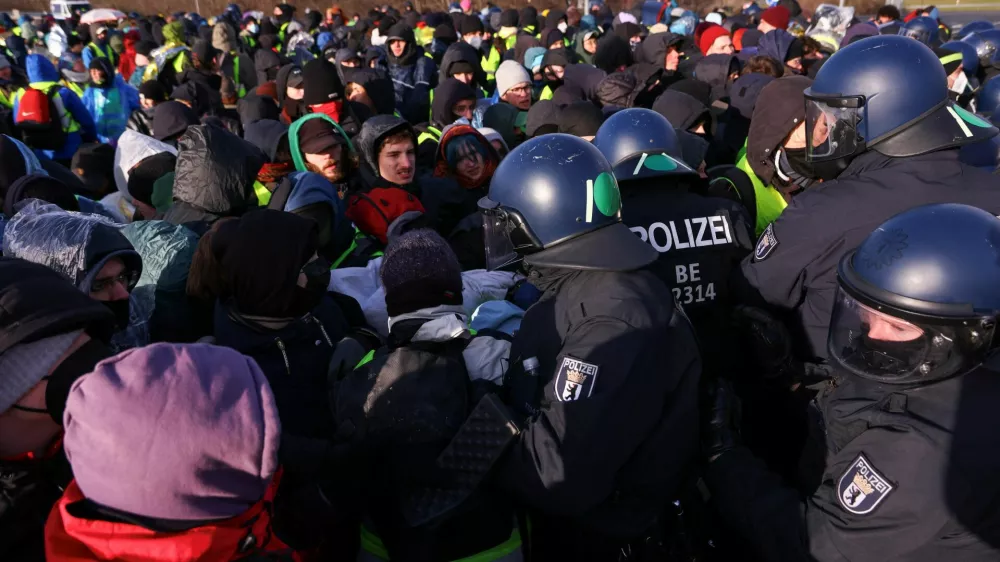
(522, 89)
(125, 278)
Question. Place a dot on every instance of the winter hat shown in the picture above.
(419, 270)
(469, 24)
(466, 5)
(204, 51)
(322, 83)
(543, 118)
(581, 119)
(171, 119)
(42, 187)
(143, 175)
(533, 58)
(253, 108)
(195, 432)
(751, 38)
(510, 74)
(709, 36)
(445, 32)
(777, 16)
(509, 18)
(94, 164)
(550, 36)
(25, 365)
(153, 90)
(145, 48)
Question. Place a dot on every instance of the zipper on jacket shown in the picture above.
(326, 336)
(284, 355)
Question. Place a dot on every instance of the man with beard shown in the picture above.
(320, 146)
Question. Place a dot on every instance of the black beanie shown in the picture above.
(509, 18)
(469, 24)
(46, 188)
(445, 32)
(145, 48)
(322, 84)
(153, 90)
(143, 175)
(420, 270)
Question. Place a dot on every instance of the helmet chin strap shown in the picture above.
(787, 173)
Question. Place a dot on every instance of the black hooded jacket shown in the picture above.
(214, 177)
(462, 52)
(449, 92)
(715, 70)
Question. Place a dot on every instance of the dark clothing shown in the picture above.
(715, 70)
(413, 77)
(798, 269)
(28, 490)
(603, 462)
(141, 121)
(214, 177)
(701, 241)
(406, 405)
(248, 74)
(933, 445)
(294, 359)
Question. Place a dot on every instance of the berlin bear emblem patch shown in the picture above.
(765, 244)
(862, 488)
(575, 379)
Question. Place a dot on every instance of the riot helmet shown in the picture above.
(554, 202)
(923, 29)
(919, 300)
(985, 47)
(988, 97)
(880, 94)
(972, 26)
(970, 58)
(640, 143)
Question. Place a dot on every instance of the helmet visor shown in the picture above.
(921, 35)
(496, 233)
(877, 346)
(832, 127)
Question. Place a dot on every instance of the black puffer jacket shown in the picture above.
(214, 177)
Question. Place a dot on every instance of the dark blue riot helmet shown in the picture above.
(988, 97)
(985, 46)
(972, 26)
(970, 58)
(923, 29)
(919, 300)
(640, 143)
(554, 202)
(880, 94)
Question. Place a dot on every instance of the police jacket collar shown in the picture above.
(872, 160)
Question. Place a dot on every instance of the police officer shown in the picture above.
(923, 29)
(604, 370)
(700, 240)
(907, 452)
(878, 119)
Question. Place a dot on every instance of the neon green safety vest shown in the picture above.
(69, 124)
(236, 75)
(263, 194)
(770, 202)
(490, 63)
(373, 545)
(430, 134)
(358, 235)
(106, 53)
(546, 94)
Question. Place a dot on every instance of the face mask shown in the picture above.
(562, 27)
(793, 165)
(307, 298)
(79, 363)
(120, 309)
(252, 28)
(476, 41)
(634, 44)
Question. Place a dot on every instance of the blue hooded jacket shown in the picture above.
(111, 118)
(41, 71)
(775, 44)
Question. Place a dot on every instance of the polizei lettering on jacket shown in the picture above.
(695, 232)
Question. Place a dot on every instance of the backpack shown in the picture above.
(39, 120)
(374, 211)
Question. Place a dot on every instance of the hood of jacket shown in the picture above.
(579, 40)
(461, 52)
(266, 135)
(167, 251)
(654, 48)
(446, 95)
(281, 81)
(377, 85)
(585, 78)
(16, 161)
(173, 33)
(780, 108)
(714, 70)
(441, 167)
(374, 130)
(133, 148)
(224, 38)
(775, 44)
(680, 108)
(522, 44)
(73, 538)
(216, 170)
(620, 89)
(75, 244)
(309, 188)
(40, 69)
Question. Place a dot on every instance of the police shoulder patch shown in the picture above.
(862, 488)
(575, 379)
(766, 243)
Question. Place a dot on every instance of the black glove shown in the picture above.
(721, 412)
(768, 340)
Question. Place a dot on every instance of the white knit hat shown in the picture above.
(510, 74)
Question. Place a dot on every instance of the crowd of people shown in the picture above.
(499, 285)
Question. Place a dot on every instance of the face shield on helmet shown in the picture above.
(922, 35)
(876, 345)
(505, 235)
(834, 127)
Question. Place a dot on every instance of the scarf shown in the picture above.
(272, 173)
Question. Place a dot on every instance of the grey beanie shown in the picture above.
(420, 270)
(25, 365)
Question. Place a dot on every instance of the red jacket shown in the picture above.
(70, 539)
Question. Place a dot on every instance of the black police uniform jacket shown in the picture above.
(909, 474)
(701, 241)
(794, 264)
(617, 422)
